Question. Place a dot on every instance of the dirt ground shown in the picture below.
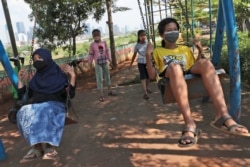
(128, 131)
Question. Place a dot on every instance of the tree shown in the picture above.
(61, 21)
(110, 4)
(242, 12)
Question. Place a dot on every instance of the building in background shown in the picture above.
(20, 28)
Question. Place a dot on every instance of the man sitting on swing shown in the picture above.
(41, 123)
(173, 61)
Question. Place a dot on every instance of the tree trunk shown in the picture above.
(74, 45)
(111, 33)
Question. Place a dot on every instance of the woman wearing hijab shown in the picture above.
(41, 122)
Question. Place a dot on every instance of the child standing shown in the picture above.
(140, 48)
(99, 52)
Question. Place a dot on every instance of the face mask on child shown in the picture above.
(97, 38)
(171, 36)
(39, 65)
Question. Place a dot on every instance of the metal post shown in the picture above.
(187, 25)
(10, 29)
(147, 16)
(152, 22)
(220, 25)
(234, 59)
(210, 26)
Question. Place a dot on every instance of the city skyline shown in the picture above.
(19, 12)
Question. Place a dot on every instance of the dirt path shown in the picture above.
(128, 131)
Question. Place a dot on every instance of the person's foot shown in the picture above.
(50, 153)
(189, 137)
(101, 99)
(33, 154)
(231, 122)
(226, 124)
(111, 93)
(146, 97)
(149, 91)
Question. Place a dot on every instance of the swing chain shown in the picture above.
(32, 43)
(31, 50)
(143, 21)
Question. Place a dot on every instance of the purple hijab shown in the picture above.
(51, 79)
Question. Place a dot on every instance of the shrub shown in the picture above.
(244, 50)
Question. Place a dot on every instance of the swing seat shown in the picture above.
(194, 84)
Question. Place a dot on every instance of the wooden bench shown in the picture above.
(194, 84)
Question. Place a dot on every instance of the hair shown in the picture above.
(163, 23)
(138, 35)
(96, 30)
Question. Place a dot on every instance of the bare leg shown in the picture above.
(38, 147)
(101, 92)
(144, 85)
(212, 83)
(179, 88)
(147, 86)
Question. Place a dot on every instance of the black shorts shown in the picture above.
(143, 71)
(162, 74)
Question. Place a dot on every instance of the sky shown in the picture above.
(19, 12)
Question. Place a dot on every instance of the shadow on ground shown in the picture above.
(128, 131)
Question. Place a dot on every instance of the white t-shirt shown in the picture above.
(140, 48)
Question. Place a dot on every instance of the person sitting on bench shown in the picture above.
(173, 61)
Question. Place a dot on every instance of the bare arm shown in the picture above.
(21, 75)
(150, 68)
(198, 45)
(133, 58)
(70, 71)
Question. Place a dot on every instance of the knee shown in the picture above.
(206, 65)
(174, 70)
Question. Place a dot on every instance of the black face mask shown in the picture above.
(39, 65)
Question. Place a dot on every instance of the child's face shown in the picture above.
(142, 37)
(96, 35)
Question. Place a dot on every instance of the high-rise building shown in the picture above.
(20, 28)
(116, 29)
(127, 29)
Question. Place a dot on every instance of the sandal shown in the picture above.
(146, 97)
(111, 93)
(101, 99)
(50, 153)
(219, 124)
(149, 91)
(188, 141)
(33, 154)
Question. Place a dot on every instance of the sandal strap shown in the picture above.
(34, 151)
(221, 121)
(194, 130)
(233, 128)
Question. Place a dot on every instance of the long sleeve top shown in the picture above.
(60, 96)
(97, 49)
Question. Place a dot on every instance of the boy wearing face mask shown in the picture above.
(99, 53)
(172, 61)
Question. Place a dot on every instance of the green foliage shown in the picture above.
(244, 51)
(59, 22)
(242, 11)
